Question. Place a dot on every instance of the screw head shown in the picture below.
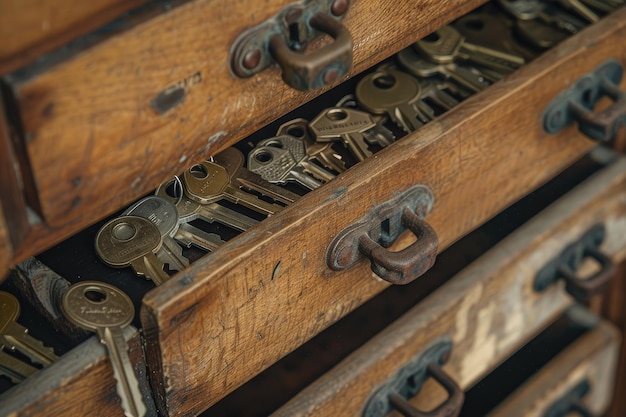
(339, 7)
(252, 58)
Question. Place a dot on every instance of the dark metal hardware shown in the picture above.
(577, 103)
(571, 402)
(564, 266)
(408, 381)
(283, 39)
(376, 231)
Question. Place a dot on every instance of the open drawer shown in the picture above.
(269, 290)
(481, 316)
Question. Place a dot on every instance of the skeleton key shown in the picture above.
(189, 210)
(106, 310)
(279, 165)
(165, 216)
(321, 152)
(447, 45)
(297, 148)
(232, 159)
(545, 12)
(15, 337)
(396, 94)
(209, 182)
(132, 241)
(421, 68)
(356, 129)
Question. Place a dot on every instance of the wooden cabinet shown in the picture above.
(85, 136)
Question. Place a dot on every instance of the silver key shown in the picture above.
(447, 45)
(323, 153)
(356, 129)
(189, 210)
(396, 94)
(165, 217)
(15, 337)
(420, 67)
(132, 241)
(106, 310)
(279, 165)
(298, 148)
(544, 12)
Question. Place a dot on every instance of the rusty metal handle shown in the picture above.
(450, 408)
(308, 71)
(583, 289)
(602, 126)
(403, 266)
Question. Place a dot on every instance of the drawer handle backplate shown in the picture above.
(564, 267)
(395, 393)
(376, 231)
(577, 103)
(571, 402)
(283, 38)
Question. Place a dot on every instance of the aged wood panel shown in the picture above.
(80, 383)
(88, 121)
(269, 290)
(488, 310)
(592, 358)
(29, 28)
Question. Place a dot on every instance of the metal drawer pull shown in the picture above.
(571, 403)
(282, 39)
(577, 103)
(376, 231)
(569, 260)
(407, 382)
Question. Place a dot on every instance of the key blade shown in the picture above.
(123, 371)
(216, 212)
(150, 267)
(13, 368)
(172, 255)
(16, 337)
(190, 235)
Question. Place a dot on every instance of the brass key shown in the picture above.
(544, 12)
(189, 210)
(323, 153)
(396, 94)
(604, 6)
(165, 217)
(132, 241)
(106, 310)
(356, 129)
(232, 159)
(15, 337)
(209, 182)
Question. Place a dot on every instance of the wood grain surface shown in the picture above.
(593, 358)
(269, 290)
(488, 310)
(89, 125)
(29, 28)
(80, 383)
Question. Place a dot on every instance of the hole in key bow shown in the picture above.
(199, 171)
(337, 114)
(174, 188)
(384, 81)
(263, 157)
(296, 132)
(95, 295)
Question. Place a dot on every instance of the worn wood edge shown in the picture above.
(336, 387)
(55, 388)
(592, 357)
(29, 50)
(6, 249)
(201, 133)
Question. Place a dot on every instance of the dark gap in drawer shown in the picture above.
(511, 374)
(276, 385)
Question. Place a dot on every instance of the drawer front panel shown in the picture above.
(89, 124)
(477, 159)
(487, 311)
(32, 27)
(80, 383)
(592, 359)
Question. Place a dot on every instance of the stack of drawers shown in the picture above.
(91, 125)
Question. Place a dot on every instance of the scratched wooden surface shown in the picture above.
(89, 126)
(488, 310)
(254, 300)
(29, 28)
(593, 358)
(80, 383)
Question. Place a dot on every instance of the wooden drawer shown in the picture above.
(487, 311)
(464, 157)
(85, 115)
(583, 374)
